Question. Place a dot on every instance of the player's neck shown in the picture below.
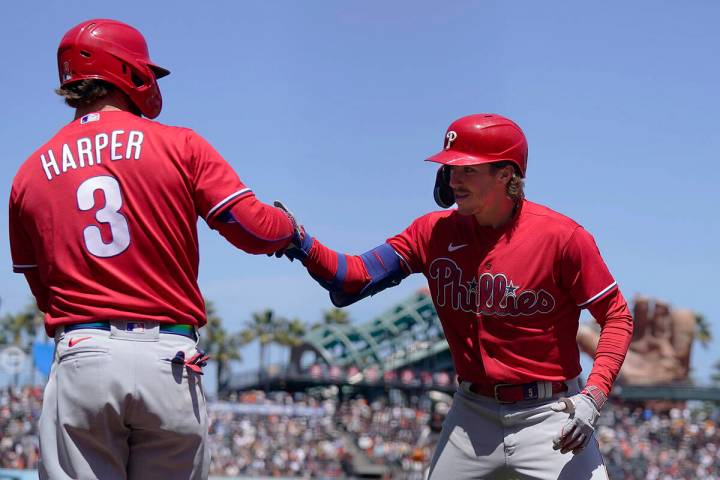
(115, 101)
(497, 215)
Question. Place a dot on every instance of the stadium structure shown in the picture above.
(392, 375)
(403, 348)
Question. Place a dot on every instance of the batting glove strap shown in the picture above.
(579, 429)
(300, 247)
(597, 395)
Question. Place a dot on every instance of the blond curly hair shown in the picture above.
(84, 92)
(516, 185)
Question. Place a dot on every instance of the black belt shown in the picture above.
(177, 329)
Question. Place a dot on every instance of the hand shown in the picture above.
(576, 433)
(301, 241)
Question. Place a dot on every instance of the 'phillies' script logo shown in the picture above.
(489, 295)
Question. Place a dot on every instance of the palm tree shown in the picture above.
(21, 328)
(702, 330)
(222, 346)
(263, 327)
(267, 328)
(291, 334)
(334, 316)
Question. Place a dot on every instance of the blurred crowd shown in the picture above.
(663, 443)
(258, 434)
(401, 437)
(282, 435)
(19, 414)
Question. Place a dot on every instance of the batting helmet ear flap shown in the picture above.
(442, 192)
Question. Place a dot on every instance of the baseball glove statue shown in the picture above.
(660, 349)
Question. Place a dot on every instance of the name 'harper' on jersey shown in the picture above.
(88, 151)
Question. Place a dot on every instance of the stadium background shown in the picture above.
(318, 104)
(367, 400)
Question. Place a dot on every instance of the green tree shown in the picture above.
(21, 328)
(334, 316)
(222, 346)
(263, 327)
(703, 334)
(291, 333)
(266, 327)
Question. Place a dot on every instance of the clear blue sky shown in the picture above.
(332, 106)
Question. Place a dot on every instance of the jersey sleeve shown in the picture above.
(409, 246)
(583, 271)
(215, 183)
(253, 226)
(381, 267)
(21, 246)
(613, 315)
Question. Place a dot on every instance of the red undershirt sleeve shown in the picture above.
(350, 273)
(613, 315)
(253, 226)
(323, 262)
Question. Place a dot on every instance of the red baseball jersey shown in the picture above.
(107, 212)
(509, 298)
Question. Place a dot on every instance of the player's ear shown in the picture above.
(505, 174)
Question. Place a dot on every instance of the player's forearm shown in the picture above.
(254, 226)
(614, 317)
(350, 278)
(336, 271)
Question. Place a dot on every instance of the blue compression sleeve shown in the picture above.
(383, 265)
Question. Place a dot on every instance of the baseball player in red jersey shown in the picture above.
(508, 278)
(103, 225)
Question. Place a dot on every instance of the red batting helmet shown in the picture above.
(483, 138)
(116, 53)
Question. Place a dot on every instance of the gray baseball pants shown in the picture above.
(484, 439)
(115, 407)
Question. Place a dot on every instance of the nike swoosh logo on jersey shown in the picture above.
(74, 341)
(452, 248)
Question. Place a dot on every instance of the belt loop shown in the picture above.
(545, 390)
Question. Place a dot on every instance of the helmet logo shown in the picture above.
(450, 137)
(67, 74)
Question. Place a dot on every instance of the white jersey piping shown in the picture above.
(24, 266)
(226, 200)
(603, 292)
